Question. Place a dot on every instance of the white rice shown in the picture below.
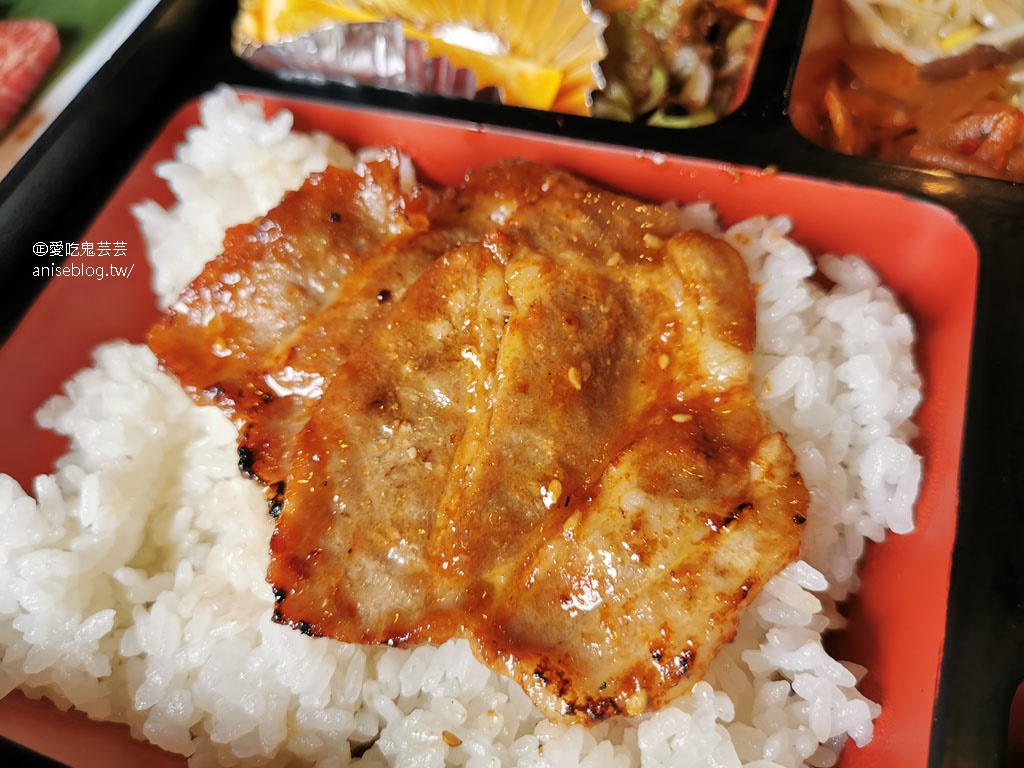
(134, 575)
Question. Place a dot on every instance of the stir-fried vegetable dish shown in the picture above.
(675, 63)
(939, 86)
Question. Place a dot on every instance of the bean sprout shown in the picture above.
(925, 30)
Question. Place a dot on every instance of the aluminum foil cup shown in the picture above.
(544, 54)
(371, 53)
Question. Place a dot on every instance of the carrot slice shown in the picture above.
(971, 128)
(996, 147)
(876, 109)
(938, 102)
(880, 70)
(949, 159)
(840, 119)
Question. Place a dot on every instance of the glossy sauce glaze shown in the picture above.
(542, 440)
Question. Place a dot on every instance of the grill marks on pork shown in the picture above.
(543, 441)
(266, 324)
(372, 464)
(244, 335)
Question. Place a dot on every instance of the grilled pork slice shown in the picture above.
(243, 334)
(549, 446)
(266, 324)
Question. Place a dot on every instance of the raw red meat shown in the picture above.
(28, 48)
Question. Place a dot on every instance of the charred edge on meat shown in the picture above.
(246, 462)
(277, 500)
(737, 513)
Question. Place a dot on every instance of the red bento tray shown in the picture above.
(921, 250)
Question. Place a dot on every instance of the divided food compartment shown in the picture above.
(670, 64)
(954, 113)
(921, 250)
